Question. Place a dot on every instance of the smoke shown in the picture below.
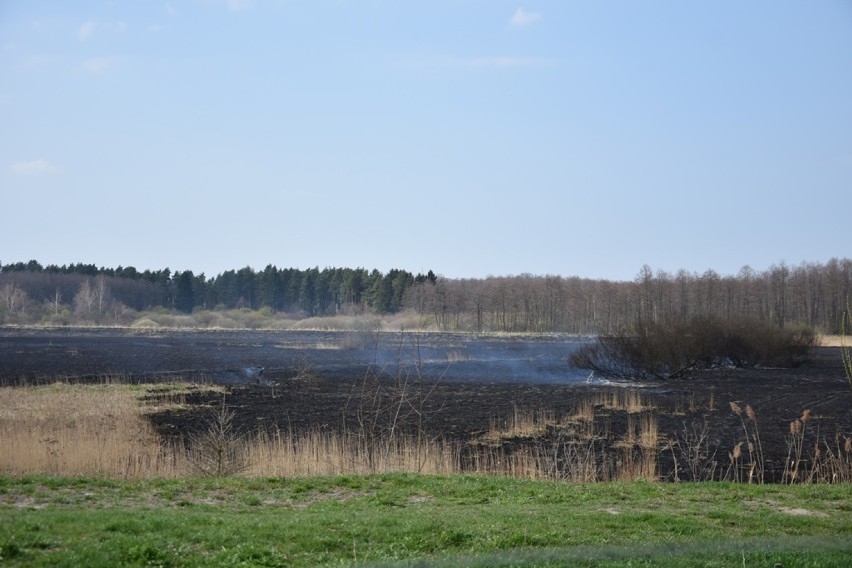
(463, 358)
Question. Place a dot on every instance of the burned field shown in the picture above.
(500, 397)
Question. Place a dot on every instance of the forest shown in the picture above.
(811, 294)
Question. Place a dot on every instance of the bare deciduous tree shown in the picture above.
(56, 301)
(85, 300)
(93, 298)
(13, 298)
(102, 294)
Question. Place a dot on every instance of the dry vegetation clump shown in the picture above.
(65, 429)
(172, 396)
(582, 446)
(685, 349)
(103, 430)
(523, 423)
(267, 319)
(145, 323)
(214, 319)
(219, 449)
(340, 322)
(628, 400)
(811, 459)
(612, 436)
(326, 453)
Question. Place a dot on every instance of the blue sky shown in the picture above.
(470, 137)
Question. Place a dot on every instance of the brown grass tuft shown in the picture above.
(64, 429)
(584, 411)
(526, 423)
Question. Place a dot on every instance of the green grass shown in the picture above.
(411, 520)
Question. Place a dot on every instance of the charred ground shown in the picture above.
(445, 386)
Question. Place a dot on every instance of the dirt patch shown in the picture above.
(27, 502)
(802, 512)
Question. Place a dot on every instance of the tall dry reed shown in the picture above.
(333, 453)
(755, 467)
(522, 423)
(102, 430)
(628, 400)
(64, 429)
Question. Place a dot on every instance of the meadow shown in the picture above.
(418, 520)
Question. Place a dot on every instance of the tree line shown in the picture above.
(90, 290)
(811, 294)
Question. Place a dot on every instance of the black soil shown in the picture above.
(448, 387)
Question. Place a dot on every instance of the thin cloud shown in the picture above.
(34, 168)
(522, 18)
(170, 10)
(155, 28)
(98, 65)
(86, 30)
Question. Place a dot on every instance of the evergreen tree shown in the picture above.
(184, 292)
(308, 292)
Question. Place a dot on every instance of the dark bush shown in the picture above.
(685, 349)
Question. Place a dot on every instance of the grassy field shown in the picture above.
(419, 520)
(86, 481)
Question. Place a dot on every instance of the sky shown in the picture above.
(468, 137)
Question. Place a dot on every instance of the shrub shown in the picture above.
(143, 323)
(218, 450)
(685, 349)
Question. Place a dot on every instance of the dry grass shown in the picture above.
(832, 341)
(523, 423)
(327, 453)
(64, 429)
(171, 396)
(102, 430)
(642, 431)
(574, 447)
(459, 356)
(584, 411)
(627, 400)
